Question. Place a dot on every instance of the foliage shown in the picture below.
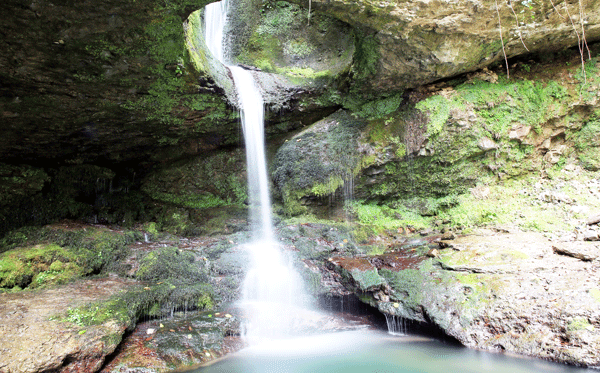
(384, 217)
(438, 107)
(586, 143)
(506, 103)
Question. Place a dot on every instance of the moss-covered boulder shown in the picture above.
(318, 161)
(57, 254)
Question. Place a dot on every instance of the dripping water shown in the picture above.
(396, 324)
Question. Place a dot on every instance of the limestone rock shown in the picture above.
(579, 250)
(504, 291)
(422, 41)
(34, 339)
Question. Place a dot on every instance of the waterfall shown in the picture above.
(396, 324)
(272, 289)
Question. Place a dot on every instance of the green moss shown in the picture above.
(406, 285)
(281, 41)
(367, 56)
(172, 264)
(504, 204)
(318, 161)
(367, 280)
(380, 108)
(507, 103)
(595, 293)
(586, 143)
(438, 109)
(382, 217)
(579, 323)
(52, 255)
(39, 265)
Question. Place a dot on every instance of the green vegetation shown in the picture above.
(407, 285)
(587, 143)
(52, 255)
(595, 293)
(367, 280)
(383, 217)
(579, 323)
(38, 266)
(506, 103)
(317, 162)
(438, 107)
(172, 279)
(281, 42)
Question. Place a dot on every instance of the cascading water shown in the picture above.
(272, 290)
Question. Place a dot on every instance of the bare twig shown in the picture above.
(579, 44)
(556, 9)
(583, 38)
(502, 39)
(517, 21)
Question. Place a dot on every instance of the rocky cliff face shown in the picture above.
(108, 116)
(408, 43)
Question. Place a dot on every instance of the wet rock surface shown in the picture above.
(195, 339)
(36, 336)
(182, 341)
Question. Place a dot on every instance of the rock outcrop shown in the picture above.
(37, 335)
(408, 43)
(494, 291)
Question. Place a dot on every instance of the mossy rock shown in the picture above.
(177, 279)
(35, 257)
(279, 38)
(39, 265)
(203, 182)
(171, 264)
(318, 161)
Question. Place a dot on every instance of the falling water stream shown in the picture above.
(272, 290)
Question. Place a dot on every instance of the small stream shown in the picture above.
(368, 351)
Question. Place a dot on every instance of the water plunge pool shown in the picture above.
(369, 351)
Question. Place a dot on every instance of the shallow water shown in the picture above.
(374, 352)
